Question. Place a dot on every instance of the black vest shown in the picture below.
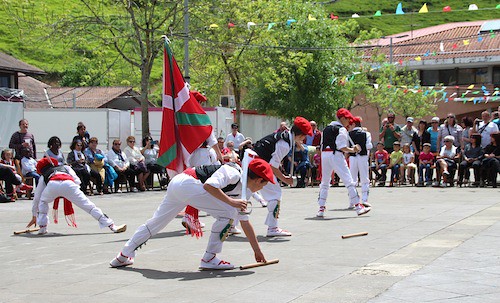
(204, 172)
(330, 134)
(266, 146)
(358, 136)
(49, 171)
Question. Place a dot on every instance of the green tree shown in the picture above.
(398, 90)
(133, 29)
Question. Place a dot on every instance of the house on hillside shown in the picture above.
(39, 95)
(10, 71)
(464, 57)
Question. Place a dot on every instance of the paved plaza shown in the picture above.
(423, 245)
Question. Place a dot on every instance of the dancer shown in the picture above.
(215, 189)
(359, 162)
(334, 144)
(62, 181)
(273, 148)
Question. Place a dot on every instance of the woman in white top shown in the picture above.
(445, 164)
(137, 162)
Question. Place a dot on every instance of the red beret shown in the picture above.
(355, 120)
(45, 162)
(304, 125)
(342, 112)
(262, 169)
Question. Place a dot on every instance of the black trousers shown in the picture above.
(10, 179)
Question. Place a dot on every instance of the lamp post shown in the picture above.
(186, 42)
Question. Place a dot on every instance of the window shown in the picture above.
(496, 75)
(5, 80)
(432, 77)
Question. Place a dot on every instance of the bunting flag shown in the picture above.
(424, 9)
(185, 125)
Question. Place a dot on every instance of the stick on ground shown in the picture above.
(26, 231)
(252, 265)
(355, 235)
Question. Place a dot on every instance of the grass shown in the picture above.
(389, 23)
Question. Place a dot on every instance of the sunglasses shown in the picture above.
(117, 144)
(131, 141)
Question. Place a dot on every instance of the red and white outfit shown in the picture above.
(183, 190)
(66, 185)
(360, 164)
(335, 161)
(272, 192)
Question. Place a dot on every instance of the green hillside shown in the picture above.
(23, 41)
(389, 23)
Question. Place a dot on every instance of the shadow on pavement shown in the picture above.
(186, 276)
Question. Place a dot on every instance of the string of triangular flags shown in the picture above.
(470, 95)
(399, 11)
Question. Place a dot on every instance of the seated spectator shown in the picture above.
(8, 161)
(395, 161)
(472, 156)
(82, 135)
(381, 161)
(78, 161)
(450, 127)
(408, 164)
(446, 162)
(10, 179)
(54, 151)
(231, 155)
(96, 160)
(316, 165)
(485, 128)
(426, 159)
(490, 166)
(120, 163)
(301, 163)
(150, 153)
(137, 162)
(28, 165)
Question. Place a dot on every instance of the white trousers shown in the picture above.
(182, 191)
(272, 194)
(335, 161)
(359, 164)
(69, 190)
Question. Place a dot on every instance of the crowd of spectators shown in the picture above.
(428, 154)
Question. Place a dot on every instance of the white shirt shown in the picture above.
(28, 165)
(237, 139)
(224, 176)
(280, 152)
(114, 160)
(133, 154)
(407, 157)
(202, 156)
(342, 139)
(485, 132)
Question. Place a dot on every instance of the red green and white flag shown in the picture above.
(185, 125)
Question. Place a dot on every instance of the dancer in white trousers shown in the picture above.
(358, 162)
(334, 143)
(62, 181)
(273, 148)
(219, 195)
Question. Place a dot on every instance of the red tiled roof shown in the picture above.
(425, 43)
(9, 63)
(86, 97)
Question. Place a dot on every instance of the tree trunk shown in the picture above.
(144, 104)
(237, 101)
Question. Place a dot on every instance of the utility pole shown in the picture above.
(186, 41)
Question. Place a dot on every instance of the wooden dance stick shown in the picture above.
(252, 265)
(26, 231)
(355, 235)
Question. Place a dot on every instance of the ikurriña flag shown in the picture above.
(185, 125)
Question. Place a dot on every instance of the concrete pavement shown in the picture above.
(424, 245)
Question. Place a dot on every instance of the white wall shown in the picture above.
(105, 124)
(10, 114)
(253, 125)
